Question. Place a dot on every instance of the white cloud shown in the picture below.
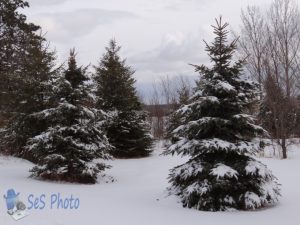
(65, 26)
(158, 37)
(175, 52)
(45, 2)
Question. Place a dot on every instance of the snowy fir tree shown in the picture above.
(17, 38)
(183, 95)
(74, 145)
(173, 120)
(33, 95)
(217, 134)
(26, 68)
(129, 131)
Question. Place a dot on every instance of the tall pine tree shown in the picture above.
(33, 95)
(217, 133)
(74, 142)
(129, 131)
(26, 68)
(18, 38)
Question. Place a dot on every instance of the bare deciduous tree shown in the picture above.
(270, 42)
(156, 113)
(167, 95)
(252, 42)
(284, 41)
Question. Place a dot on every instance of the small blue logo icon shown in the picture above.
(15, 207)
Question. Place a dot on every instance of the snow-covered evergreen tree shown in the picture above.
(26, 68)
(129, 134)
(129, 130)
(74, 142)
(217, 133)
(18, 39)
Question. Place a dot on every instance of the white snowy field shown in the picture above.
(138, 196)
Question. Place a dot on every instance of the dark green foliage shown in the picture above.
(116, 89)
(184, 95)
(217, 132)
(128, 130)
(18, 45)
(32, 96)
(27, 67)
(129, 133)
(74, 139)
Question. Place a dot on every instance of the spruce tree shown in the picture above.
(217, 133)
(26, 68)
(33, 95)
(129, 131)
(183, 95)
(17, 39)
(173, 120)
(74, 141)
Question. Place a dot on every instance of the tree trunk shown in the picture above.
(284, 149)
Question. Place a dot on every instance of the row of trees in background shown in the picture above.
(65, 119)
(168, 94)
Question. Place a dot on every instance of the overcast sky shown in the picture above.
(158, 37)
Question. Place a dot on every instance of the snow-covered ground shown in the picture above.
(138, 196)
